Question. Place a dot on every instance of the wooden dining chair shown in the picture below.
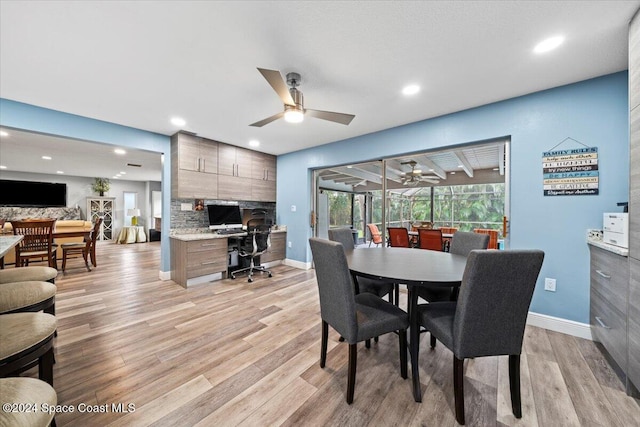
(430, 239)
(86, 248)
(37, 241)
(399, 237)
(376, 237)
(358, 317)
(489, 317)
(493, 236)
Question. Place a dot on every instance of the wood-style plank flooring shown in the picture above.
(235, 353)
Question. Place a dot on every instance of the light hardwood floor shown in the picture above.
(236, 353)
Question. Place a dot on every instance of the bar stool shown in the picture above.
(26, 274)
(29, 392)
(27, 341)
(28, 296)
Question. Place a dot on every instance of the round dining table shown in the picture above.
(412, 267)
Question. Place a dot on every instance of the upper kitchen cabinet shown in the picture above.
(194, 167)
(263, 187)
(234, 161)
(263, 167)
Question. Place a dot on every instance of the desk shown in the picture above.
(412, 267)
(132, 234)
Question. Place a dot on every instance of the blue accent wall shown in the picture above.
(594, 112)
(36, 119)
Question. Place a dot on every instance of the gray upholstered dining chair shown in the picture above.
(462, 243)
(358, 317)
(489, 317)
(364, 284)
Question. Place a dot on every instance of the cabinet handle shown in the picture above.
(602, 323)
(203, 165)
(208, 244)
(208, 262)
(606, 276)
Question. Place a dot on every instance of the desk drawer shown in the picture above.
(609, 327)
(206, 262)
(610, 277)
(206, 245)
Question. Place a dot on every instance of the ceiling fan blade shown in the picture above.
(267, 120)
(274, 78)
(341, 118)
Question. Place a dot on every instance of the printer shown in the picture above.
(616, 229)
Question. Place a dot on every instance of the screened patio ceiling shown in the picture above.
(473, 164)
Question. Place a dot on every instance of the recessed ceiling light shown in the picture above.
(60, 172)
(254, 143)
(460, 166)
(4, 133)
(116, 177)
(548, 44)
(119, 151)
(3, 167)
(46, 157)
(178, 121)
(349, 167)
(122, 173)
(452, 173)
(410, 90)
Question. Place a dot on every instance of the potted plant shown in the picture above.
(100, 185)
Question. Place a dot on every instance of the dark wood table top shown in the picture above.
(411, 266)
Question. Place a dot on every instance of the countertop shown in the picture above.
(208, 234)
(8, 242)
(607, 247)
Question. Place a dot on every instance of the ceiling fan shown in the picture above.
(414, 176)
(294, 110)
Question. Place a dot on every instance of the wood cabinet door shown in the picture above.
(263, 167)
(244, 159)
(209, 156)
(263, 191)
(226, 159)
(197, 185)
(188, 152)
(233, 188)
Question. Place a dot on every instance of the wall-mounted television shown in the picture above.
(32, 193)
(224, 216)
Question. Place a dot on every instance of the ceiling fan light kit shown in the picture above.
(293, 100)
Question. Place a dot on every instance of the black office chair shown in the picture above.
(257, 242)
(489, 317)
(358, 317)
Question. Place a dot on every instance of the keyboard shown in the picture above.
(230, 231)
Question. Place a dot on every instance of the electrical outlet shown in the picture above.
(289, 244)
(293, 208)
(549, 284)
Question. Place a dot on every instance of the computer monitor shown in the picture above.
(223, 217)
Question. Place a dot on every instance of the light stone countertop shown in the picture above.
(607, 247)
(8, 242)
(200, 234)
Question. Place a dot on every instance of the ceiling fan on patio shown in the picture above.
(414, 176)
(293, 100)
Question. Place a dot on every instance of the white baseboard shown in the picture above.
(164, 275)
(569, 327)
(297, 264)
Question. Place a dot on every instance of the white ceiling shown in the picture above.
(140, 63)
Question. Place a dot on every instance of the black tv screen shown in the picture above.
(224, 215)
(31, 193)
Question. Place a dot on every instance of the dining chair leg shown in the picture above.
(458, 388)
(432, 341)
(367, 343)
(396, 291)
(323, 345)
(375, 339)
(45, 367)
(414, 343)
(351, 382)
(514, 384)
(403, 353)
(85, 255)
